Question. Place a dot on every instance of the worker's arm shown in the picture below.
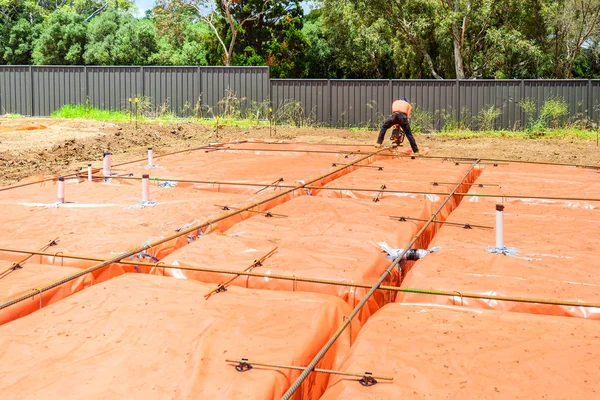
(409, 111)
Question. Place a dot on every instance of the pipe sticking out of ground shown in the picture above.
(145, 188)
(61, 190)
(500, 226)
(106, 162)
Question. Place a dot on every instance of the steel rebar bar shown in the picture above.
(324, 371)
(465, 225)
(256, 263)
(331, 282)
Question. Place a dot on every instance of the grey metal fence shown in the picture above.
(185, 91)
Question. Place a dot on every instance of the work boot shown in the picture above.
(378, 146)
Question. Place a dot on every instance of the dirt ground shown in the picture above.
(32, 146)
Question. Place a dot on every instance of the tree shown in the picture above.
(101, 38)
(180, 37)
(18, 47)
(571, 25)
(274, 38)
(228, 9)
(62, 40)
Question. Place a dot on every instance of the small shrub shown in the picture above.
(554, 109)
(258, 111)
(291, 112)
(528, 106)
(421, 120)
(230, 106)
(488, 116)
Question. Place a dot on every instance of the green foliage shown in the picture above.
(87, 112)
(488, 116)
(553, 110)
(18, 46)
(62, 40)
(274, 38)
(338, 39)
(422, 121)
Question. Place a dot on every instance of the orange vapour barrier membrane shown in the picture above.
(405, 174)
(333, 239)
(321, 237)
(454, 352)
(250, 163)
(29, 276)
(155, 324)
(103, 219)
(557, 242)
(150, 337)
(99, 219)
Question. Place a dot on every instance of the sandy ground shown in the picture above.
(52, 146)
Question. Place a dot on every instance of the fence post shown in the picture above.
(143, 82)
(522, 97)
(85, 85)
(457, 107)
(31, 101)
(199, 71)
(590, 101)
(330, 114)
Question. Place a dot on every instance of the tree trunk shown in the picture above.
(458, 59)
(458, 36)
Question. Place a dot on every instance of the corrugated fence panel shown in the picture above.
(248, 83)
(574, 92)
(482, 94)
(437, 97)
(360, 102)
(595, 97)
(40, 90)
(312, 94)
(110, 88)
(15, 90)
(175, 89)
(53, 87)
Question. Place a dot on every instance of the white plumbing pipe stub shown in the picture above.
(499, 226)
(150, 156)
(89, 172)
(107, 163)
(145, 188)
(61, 190)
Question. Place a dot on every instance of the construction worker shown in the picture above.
(401, 110)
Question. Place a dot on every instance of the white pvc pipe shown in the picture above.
(89, 172)
(150, 156)
(61, 190)
(107, 163)
(145, 188)
(499, 226)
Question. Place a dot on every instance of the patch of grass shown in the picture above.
(549, 134)
(87, 112)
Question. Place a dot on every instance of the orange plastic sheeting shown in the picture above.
(30, 276)
(99, 223)
(417, 175)
(263, 167)
(334, 239)
(542, 180)
(149, 337)
(558, 259)
(435, 352)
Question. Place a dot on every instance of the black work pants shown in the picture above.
(402, 120)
